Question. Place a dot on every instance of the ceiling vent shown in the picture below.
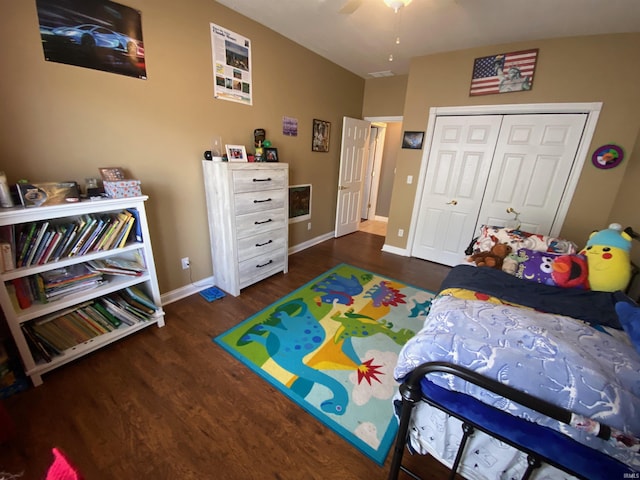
(384, 73)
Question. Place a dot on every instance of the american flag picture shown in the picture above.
(506, 72)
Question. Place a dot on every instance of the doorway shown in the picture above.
(384, 145)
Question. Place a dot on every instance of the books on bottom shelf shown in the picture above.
(50, 336)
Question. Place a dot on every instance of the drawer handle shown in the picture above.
(262, 201)
(264, 221)
(265, 264)
(263, 244)
(262, 179)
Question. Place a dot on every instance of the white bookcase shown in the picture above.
(147, 282)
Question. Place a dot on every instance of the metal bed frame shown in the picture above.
(412, 392)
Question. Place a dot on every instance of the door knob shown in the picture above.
(342, 188)
(452, 202)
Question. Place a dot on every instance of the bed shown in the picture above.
(511, 378)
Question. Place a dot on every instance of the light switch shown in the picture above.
(409, 179)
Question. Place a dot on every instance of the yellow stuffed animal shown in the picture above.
(608, 259)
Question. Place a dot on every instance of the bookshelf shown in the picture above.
(63, 301)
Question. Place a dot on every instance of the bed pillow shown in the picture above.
(518, 239)
(558, 269)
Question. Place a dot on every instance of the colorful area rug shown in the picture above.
(331, 346)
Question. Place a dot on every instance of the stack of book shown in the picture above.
(51, 336)
(54, 284)
(118, 266)
(37, 243)
(64, 281)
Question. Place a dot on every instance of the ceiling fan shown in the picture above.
(351, 6)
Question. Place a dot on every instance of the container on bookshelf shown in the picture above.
(83, 276)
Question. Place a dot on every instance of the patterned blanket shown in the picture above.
(554, 357)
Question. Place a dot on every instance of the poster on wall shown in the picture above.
(231, 65)
(96, 34)
(503, 73)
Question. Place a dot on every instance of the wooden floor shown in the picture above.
(168, 403)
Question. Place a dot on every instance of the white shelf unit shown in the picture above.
(148, 282)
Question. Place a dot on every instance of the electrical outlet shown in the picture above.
(400, 232)
(185, 263)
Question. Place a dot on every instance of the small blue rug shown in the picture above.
(212, 293)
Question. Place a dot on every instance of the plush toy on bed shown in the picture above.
(609, 259)
(493, 258)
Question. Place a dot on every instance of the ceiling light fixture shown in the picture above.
(397, 4)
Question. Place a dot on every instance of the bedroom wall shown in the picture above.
(568, 70)
(63, 122)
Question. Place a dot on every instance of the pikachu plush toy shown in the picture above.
(608, 255)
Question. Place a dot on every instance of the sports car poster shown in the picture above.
(95, 34)
(231, 65)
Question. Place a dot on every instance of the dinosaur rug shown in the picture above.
(331, 347)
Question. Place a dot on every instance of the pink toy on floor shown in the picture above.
(61, 469)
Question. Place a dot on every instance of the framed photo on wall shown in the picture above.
(412, 140)
(236, 153)
(299, 203)
(321, 134)
(504, 73)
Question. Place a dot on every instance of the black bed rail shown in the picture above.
(411, 393)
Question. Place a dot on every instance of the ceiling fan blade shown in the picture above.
(350, 6)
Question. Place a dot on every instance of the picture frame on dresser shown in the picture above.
(236, 153)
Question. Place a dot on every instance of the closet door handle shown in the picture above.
(452, 202)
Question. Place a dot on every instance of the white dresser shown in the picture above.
(248, 207)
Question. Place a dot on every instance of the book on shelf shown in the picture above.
(115, 321)
(21, 293)
(25, 241)
(137, 228)
(36, 242)
(85, 230)
(36, 345)
(139, 296)
(7, 260)
(118, 266)
(55, 239)
(72, 231)
(126, 231)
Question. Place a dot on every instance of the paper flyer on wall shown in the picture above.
(231, 65)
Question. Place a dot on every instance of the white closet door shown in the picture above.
(456, 177)
(533, 159)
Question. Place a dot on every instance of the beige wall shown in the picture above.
(568, 71)
(384, 96)
(63, 122)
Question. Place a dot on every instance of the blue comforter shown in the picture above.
(551, 356)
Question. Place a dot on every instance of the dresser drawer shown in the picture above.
(259, 201)
(255, 223)
(258, 180)
(255, 245)
(261, 267)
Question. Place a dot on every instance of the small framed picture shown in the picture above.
(236, 153)
(413, 140)
(321, 134)
(270, 154)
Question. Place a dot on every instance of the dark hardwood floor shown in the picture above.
(168, 403)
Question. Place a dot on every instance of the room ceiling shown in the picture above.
(362, 41)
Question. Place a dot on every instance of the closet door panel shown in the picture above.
(459, 163)
(534, 157)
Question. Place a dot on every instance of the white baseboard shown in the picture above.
(395, 250)
(187, 290)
